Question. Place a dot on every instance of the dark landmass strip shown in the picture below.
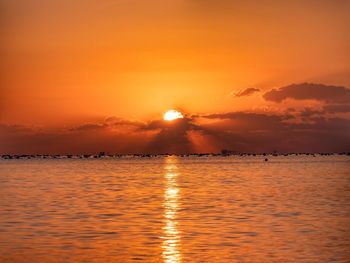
(223, 153)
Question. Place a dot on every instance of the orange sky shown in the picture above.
(66, 63)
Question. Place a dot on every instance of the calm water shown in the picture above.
(208, 209)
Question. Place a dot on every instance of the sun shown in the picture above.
(171, 115)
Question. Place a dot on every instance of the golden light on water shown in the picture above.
(171, 234)
(172, 115)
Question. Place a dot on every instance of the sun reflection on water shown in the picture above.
(171, 234)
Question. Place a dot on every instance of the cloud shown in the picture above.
(309, 112)
(172, 137)
(115, 121)
(337, 108)
(310, 91)
(112, 135)
(260, 132)
(252, 120)
(89, 126)
(84, 138)
(8, 128)
(294, 131)
(246, 92)
(65, 142)
(183, 123)
(109, 123)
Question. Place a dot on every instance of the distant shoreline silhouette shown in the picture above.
(223, 153)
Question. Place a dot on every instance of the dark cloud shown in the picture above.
(247, 116)
(110, 122)
(172, 136)
(115, 121)
(260, 132)
(309, 112)
(246, 92)
(305, 131)
(252, 121)
(310, 91)
(323, 125)
(20, 140)
(89, 127)
(337, 108)
(7, 128)
(112, 135)
(185, 123)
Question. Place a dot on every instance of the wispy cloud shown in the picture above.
(246, 92)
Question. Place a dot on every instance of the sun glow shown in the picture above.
(172, 115)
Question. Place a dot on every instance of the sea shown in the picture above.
(173, 209)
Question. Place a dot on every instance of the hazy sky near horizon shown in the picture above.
(68, 63)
